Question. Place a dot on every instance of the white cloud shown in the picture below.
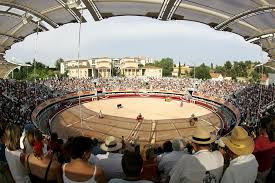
(184, 41)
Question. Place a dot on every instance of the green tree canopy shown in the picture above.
(57, 63)
(201, 72)
(166, 64)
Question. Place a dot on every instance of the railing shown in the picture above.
(46, 111)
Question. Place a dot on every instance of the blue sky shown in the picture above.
(184, 41)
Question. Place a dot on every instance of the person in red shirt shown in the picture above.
(139, 117)
(265, 148)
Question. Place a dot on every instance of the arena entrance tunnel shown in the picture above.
(50, 117)
(253, 20)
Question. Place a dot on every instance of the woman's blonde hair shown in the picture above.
(12, 137)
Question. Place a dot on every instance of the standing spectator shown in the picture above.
(42, 168)
(264, 151)
(79, 169)
(243, 166)
(212, 161)
(188, 170)
(132, 165)
(15, 156)
(111, 161)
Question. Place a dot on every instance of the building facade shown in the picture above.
(185, 70)
(107, 67)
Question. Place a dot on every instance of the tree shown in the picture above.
(57, 63)
(27, 73)
(220, 69)
(227, 68)
(166, 64)
(179, 70)
(201, 72)
(212, 66)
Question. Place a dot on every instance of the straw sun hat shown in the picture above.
(111, 144)
(201, 136)
(239, 142)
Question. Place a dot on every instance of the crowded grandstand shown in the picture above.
(236, 146)
(20, 98)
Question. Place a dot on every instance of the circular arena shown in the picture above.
(164, 117)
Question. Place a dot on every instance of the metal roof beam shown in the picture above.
(6, 13)
(31, 11)
(261, 36)
(224, 24)
(73, 11)
(168, 9)
(11, 36)
(92, 8)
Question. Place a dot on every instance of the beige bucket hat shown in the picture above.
(111, 144)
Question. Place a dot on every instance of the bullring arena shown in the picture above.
(163, 120)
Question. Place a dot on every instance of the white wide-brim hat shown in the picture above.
(202, 136)
(111, 144)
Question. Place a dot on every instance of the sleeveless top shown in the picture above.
(18, 171)
(67, 180)
(35, 178)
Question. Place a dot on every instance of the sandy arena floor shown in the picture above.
(150, 108)
(163, 120)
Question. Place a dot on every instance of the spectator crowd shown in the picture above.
(19, 98)
(31, 157)
(26, 155)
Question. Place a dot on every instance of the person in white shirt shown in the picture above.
(168, 160)
(132, 165)
(100, 114)
(212, 161)
(243, 166)
(14, 155)
(111, 161)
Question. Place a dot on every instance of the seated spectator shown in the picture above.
(96, 148)
(27, 139)
(167, 147)
(111, 161)
(100, 114)
(132, 165)
(14, 155)
(79, 169)
(168, 160)
(150, 167)
(188, 170)
(243, 165)
(264, 151)
(211, 161)
(42, 168)
(53, 144)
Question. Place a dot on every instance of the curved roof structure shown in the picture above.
(248, 18)
(20, 18)
(252, 19)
